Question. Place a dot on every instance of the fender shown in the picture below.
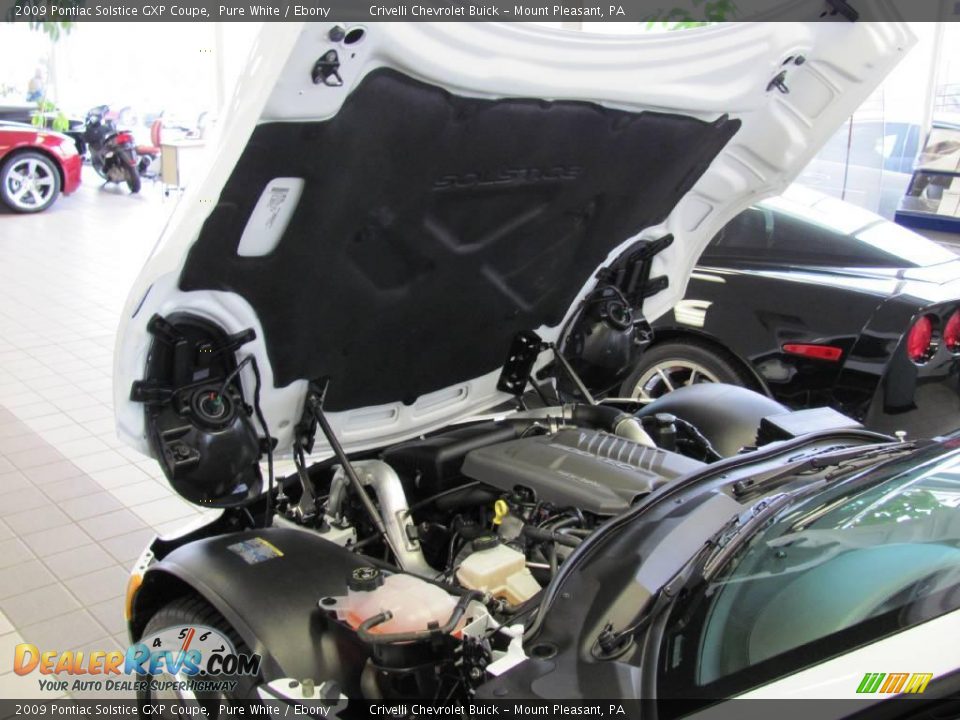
(752, 311)
(272, 603)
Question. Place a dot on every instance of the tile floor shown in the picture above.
(76, 507)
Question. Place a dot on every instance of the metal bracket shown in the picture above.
(524, 351)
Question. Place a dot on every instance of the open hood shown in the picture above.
(389, 208)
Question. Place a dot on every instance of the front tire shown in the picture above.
(190, 611)
(679, 363)
(133, 179)
(29, 182)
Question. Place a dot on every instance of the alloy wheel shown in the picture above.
(667, 376)
(30, 183)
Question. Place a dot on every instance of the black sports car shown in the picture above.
(817, 302)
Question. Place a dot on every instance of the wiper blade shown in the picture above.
(835, 458)
(741, 526)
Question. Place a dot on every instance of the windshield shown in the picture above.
(854, 563)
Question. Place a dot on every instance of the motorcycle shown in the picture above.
(113, 154)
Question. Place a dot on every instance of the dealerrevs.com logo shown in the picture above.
(192, 657)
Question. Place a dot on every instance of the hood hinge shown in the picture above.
(630, 273)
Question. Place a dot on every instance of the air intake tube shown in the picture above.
(612, 420)
(394, 511)
(596, 417)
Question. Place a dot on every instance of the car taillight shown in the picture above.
(829, 353)
(920, 345)
(951, 333)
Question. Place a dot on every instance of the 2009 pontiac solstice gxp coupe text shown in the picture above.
(408, 220)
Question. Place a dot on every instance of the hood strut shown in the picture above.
(314, 405)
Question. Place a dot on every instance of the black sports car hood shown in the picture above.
(388, 209)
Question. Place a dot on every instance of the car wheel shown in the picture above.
(672, 365)
(192, 611)
(29, 182)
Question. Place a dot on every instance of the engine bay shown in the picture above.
(476, 521)
(444, 541)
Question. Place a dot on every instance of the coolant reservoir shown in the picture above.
(498, 570)
(414, 603)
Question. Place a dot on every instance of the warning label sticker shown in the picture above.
(255, 550)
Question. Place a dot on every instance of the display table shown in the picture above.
(178, 161)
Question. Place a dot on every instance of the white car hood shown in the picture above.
(464, 182)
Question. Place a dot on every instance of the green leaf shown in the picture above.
(61, 123)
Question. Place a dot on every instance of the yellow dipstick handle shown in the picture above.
(500, 511)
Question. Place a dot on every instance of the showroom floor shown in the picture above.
(76, 507)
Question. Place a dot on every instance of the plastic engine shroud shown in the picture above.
(595, 471)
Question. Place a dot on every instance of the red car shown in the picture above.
(36, 165)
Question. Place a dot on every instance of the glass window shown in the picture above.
(865, 145)
(941, 151)
(762, 234)
(850, 565)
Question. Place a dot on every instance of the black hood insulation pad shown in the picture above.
(432, 228)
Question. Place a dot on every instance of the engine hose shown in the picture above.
(544, 535)
(564, 523)
(363, 631)
(612, 420)
(600, 416)
(576, 532)
(467, 497)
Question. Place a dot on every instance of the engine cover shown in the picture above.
(588, 469)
